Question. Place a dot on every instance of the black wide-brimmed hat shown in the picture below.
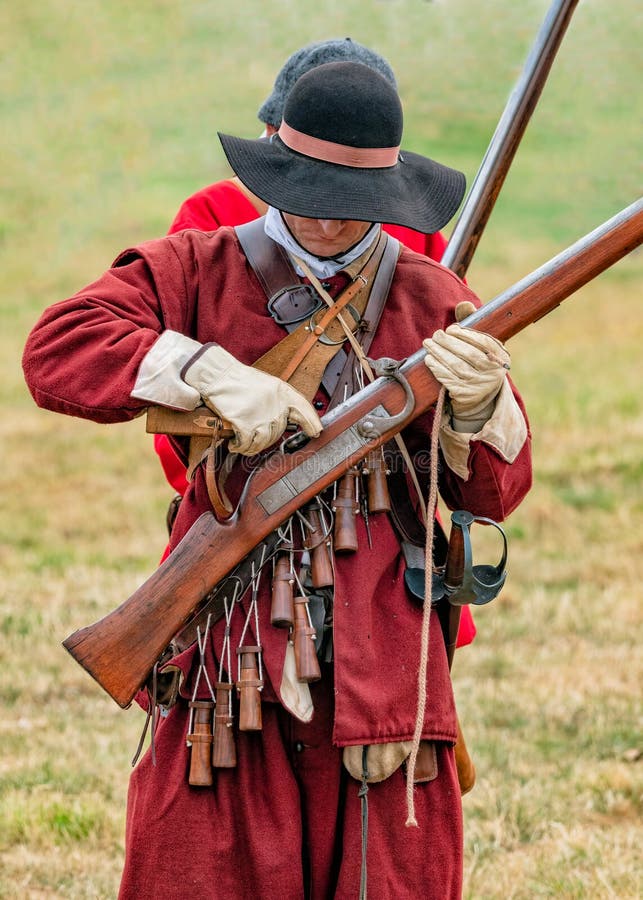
(337, 156)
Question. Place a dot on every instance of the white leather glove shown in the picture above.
(258, 406)
(472, 367)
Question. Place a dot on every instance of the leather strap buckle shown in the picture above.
(294, 303)
(322, 338)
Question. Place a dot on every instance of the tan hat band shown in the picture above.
(340, 154)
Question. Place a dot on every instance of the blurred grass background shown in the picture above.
(109, 119)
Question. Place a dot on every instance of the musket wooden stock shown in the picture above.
(121, 648)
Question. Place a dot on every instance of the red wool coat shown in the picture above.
(223, 203)
(286, 822)
(200, 284)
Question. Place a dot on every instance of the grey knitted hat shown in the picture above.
(312, 55)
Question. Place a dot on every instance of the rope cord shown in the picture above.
(426, 612)
(225, 648)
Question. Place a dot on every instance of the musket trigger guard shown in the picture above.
(373, 426)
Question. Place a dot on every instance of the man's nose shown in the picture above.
(330, 227)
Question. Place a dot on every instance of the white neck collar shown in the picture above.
(276, 228)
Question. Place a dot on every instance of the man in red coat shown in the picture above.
(180, 321)
(230, 202)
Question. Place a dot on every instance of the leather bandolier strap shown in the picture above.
(292, 304)
(303, 357)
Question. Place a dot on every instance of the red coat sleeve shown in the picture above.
(494, 488)
(83, 355)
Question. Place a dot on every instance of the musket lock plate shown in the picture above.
(375, 425)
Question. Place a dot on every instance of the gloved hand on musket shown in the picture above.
(257, 405)
(473, 368)
(180, 372)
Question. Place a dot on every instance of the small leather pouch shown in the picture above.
(384, 759)
(426, 764)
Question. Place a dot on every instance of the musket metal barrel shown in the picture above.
(506, 138)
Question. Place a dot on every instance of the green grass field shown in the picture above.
(110, 112)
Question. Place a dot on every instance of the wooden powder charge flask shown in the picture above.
(303, 638)
(224, 754)
(375, 469)
(249, 688)
(200, 741)
(200, 723)
(282, 613)
(345, 507)
(318, 544)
